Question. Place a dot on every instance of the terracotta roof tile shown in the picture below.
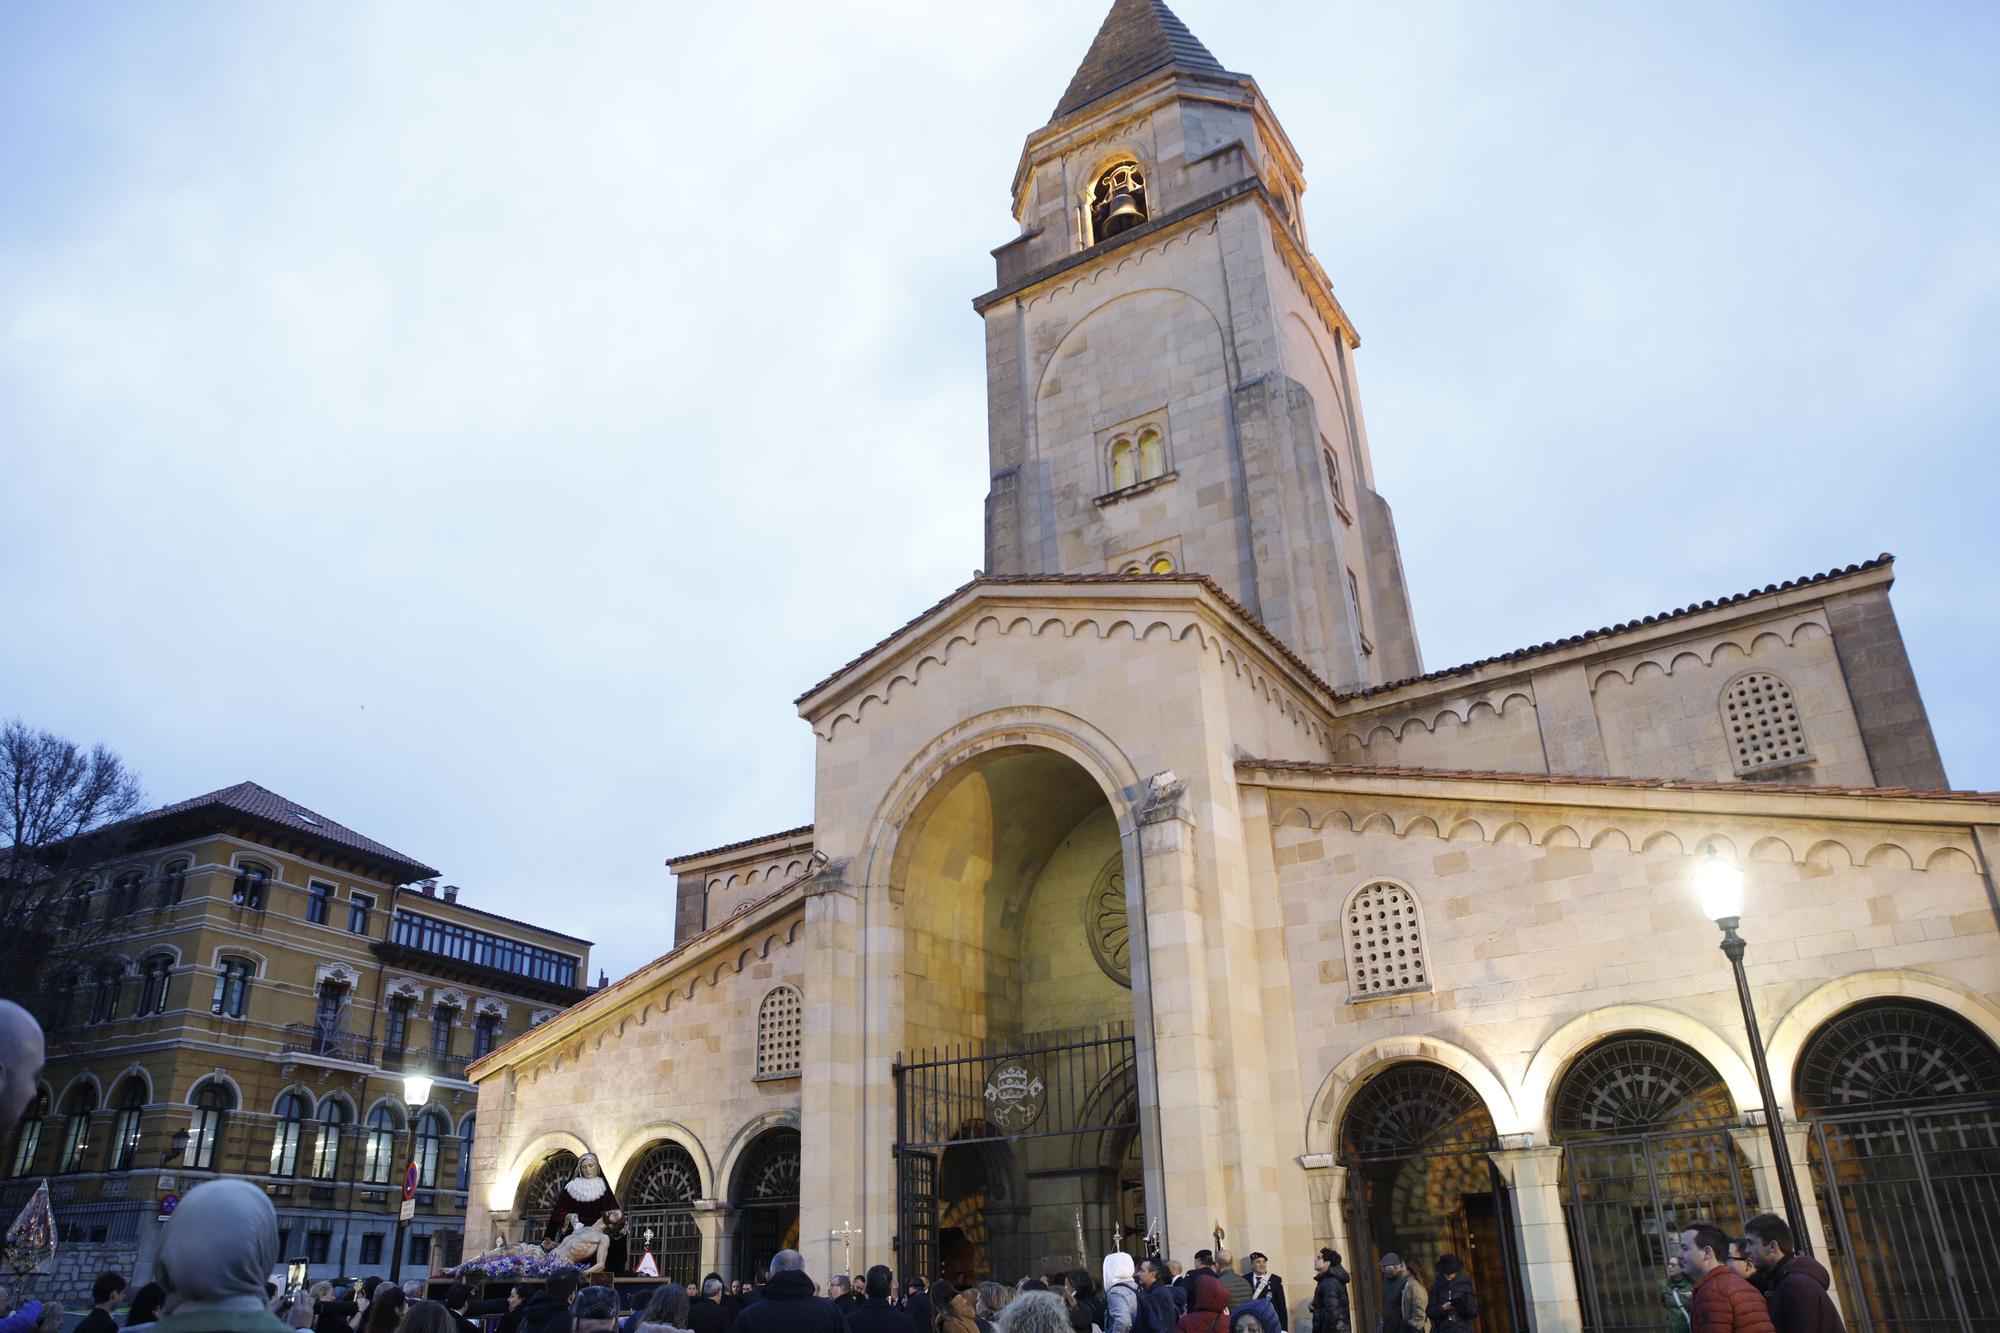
(747, 842)
(1276, 644)
(1320, 768)
(1693, 608)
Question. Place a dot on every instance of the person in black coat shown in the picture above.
(1269, 1286)
(1453, 1305)
(1157, 1312)
(790, 1304)
(707, 1313)
(875, 1314)
(1330, 1310)
(548, 1311)
(917, 1304)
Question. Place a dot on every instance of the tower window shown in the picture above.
(1117, 202)
(1136, 457)
(780, 1021)
(1333, 476)
(251, 881)
(1761, 720)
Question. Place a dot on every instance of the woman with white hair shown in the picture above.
(1034, 1312)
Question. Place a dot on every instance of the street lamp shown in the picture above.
(416, 1092)
(1718, 884)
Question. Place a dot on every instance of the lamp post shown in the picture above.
(416, 1092)
(1719, 886)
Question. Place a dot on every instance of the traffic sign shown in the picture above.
(409, 1210)
(169, 1202)
(409, 1182)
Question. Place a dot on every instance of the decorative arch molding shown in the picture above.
(1460, 712)
(1578, 1035)
(1095, 275)
(739, 1143)
(85, 1079)
(779, 869)
(1178, 626)
(220, 1076)
(161, 950)
(640, 1141)
(1931, 851)
(305, 1095)
(1746, 640)
(130, 1072)
(452, 997)
(491, 1004)
(506, 1185)
(1337, 1090)
(406, 988)
(339, 973)
(339, 1098)
(1836, 997)
(398, 1111)
(235, 949)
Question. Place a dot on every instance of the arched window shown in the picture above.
(1385, 943)
(155, 972)
(334, 1117)
(1333, 475)
(1124, 464)
(1152, 454)
(1117, 202)
(465, 1154)
(173, 881)
(81, 1106)
(232, 987)
(28, 1135)
(779, 1023)
(131, 1104)
(104, 997)
(252, 881)
(659, 1199)
(290, 1114)
(432, 1130)
(213, 1101)
(124, 895)
(378, 1148)
(538, 1194)
(61, 1000)
(1761, 721)
(1161, 563)
(79, 905)
(766, 1195)
(1896, 1053)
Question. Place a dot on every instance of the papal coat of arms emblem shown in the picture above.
(1015, 1096)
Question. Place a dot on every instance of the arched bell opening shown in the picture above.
(1117, 201)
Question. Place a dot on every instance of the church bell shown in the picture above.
(1123, 214)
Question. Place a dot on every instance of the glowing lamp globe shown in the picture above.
(1719, 886)
(416, 1088)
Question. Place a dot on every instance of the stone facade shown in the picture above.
(1224, 816)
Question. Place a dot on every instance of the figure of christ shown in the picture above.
(587, 1245)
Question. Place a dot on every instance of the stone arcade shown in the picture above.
(1152, 883)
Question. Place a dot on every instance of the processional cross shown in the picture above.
(847, 1232)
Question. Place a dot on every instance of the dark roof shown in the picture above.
(1322, 769)
(261, 805)
(1693, 608)
(747, 842)
(1139, 37)
(1276, 644)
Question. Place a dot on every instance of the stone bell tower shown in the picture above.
(1170, 381)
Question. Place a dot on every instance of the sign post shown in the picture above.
(404, 1216)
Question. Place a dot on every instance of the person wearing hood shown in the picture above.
(1258, 1309)
(1121, 1293)
(1330, 1310)
(218, 1248)
(791, 1304)
(1797, 1288)
(1210, 1307)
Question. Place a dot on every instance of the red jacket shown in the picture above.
(1211, 1309)
(1726, 1303)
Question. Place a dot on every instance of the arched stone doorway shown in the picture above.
(659, 1194)
(1414, 1139)
(1905, 1103)
(765, 1194)
(1645, 1126)
(1012, 889)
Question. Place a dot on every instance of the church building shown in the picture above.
(1155, 890)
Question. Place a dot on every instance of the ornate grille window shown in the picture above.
(1634, 1084)
(1761, 720)
(538, 1196)
(1385, 943)
(1411, 1109)
(659, 1200)
(1106, 925)
(1896, 1053)
(780, 1021)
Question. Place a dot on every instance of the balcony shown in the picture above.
(329, 1043)
(413, 1060)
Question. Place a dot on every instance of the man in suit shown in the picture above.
(1266, 1285)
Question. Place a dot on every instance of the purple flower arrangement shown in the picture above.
(515, 1267)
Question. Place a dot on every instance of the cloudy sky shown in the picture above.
(478, 421)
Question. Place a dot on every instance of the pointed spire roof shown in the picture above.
(1139, 37)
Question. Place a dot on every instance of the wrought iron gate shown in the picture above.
(1627, 1200)
(1080, 1083)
